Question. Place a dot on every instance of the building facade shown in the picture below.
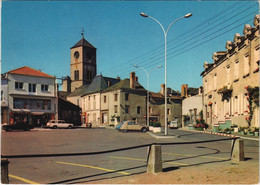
(91, 100)
(191, 105)
(125, 100)
(32, 96)
(225, 82)
(4, 99)
(157, 106)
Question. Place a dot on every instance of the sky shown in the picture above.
(40, 35)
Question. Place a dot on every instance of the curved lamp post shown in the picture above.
(165, 42)
(148, 92)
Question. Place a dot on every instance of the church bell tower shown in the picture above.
(83, 66)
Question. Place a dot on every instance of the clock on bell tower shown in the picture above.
(83, 67)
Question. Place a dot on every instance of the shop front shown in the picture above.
(36, 119)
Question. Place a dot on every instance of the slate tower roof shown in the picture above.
(83, 42)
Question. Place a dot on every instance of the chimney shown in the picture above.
(162, 91)
(184, 90)
(132, 80)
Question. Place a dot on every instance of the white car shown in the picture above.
(174, 124)
(59, 124)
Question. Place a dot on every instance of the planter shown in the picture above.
(250, 133)
(236, 129)
(256, 133)
(151, 128)
(157, 129)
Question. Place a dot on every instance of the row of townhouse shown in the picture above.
(108, 101)
(31, 96)
(226, 81)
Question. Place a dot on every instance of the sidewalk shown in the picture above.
(161, 135)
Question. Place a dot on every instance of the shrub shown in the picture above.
(200, 124)
(157, 124)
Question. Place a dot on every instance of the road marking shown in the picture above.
(94, 167)
(186, 155)
(135, 159)
(22, 179)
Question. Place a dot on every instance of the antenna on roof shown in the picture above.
(82, 32)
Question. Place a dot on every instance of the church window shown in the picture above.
(76, 54)
(76, 75)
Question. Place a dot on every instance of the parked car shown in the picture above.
(133, 126)
(119, 125)
(17, 126)
(58, 124)
(173, 124)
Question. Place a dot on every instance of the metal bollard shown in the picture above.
(4, 171)
(154, 164)
(238, 150)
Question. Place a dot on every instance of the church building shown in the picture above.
(83, 66)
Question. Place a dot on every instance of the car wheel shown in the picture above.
(144, 129)
(8, 129)
(55, 127)
(70, 127)
(124, 131)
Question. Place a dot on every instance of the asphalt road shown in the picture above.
(92, 168)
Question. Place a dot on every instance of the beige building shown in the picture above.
(91, 100)
(157, 106)
(126, 100)
(224, 80)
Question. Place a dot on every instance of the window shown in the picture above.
(76, 75)
(126, 97)
(256, 59)
(115, 108)
(77, 102)
(2, 93)
(215, 81)
(168, 111)
(246, 65)
(94, 97)
(138, 110)
(32, 87)
(27, 103)
(44, 88)
(88, 98)
(236, 71)
(115, 97)
(228, 74)
(127, 109)
(18, 85)
(150, 110)
(105, 99)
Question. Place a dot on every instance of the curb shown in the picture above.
(222, 134)
(215, 133)
(162, 137)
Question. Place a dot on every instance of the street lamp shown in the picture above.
(165, 42)
(147, 73)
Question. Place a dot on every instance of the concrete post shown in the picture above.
(238, 150)
(4, 171)
(154, 164)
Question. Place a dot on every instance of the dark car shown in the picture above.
(17, 126)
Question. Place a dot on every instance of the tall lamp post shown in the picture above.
(165, 42)
(147, 73)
